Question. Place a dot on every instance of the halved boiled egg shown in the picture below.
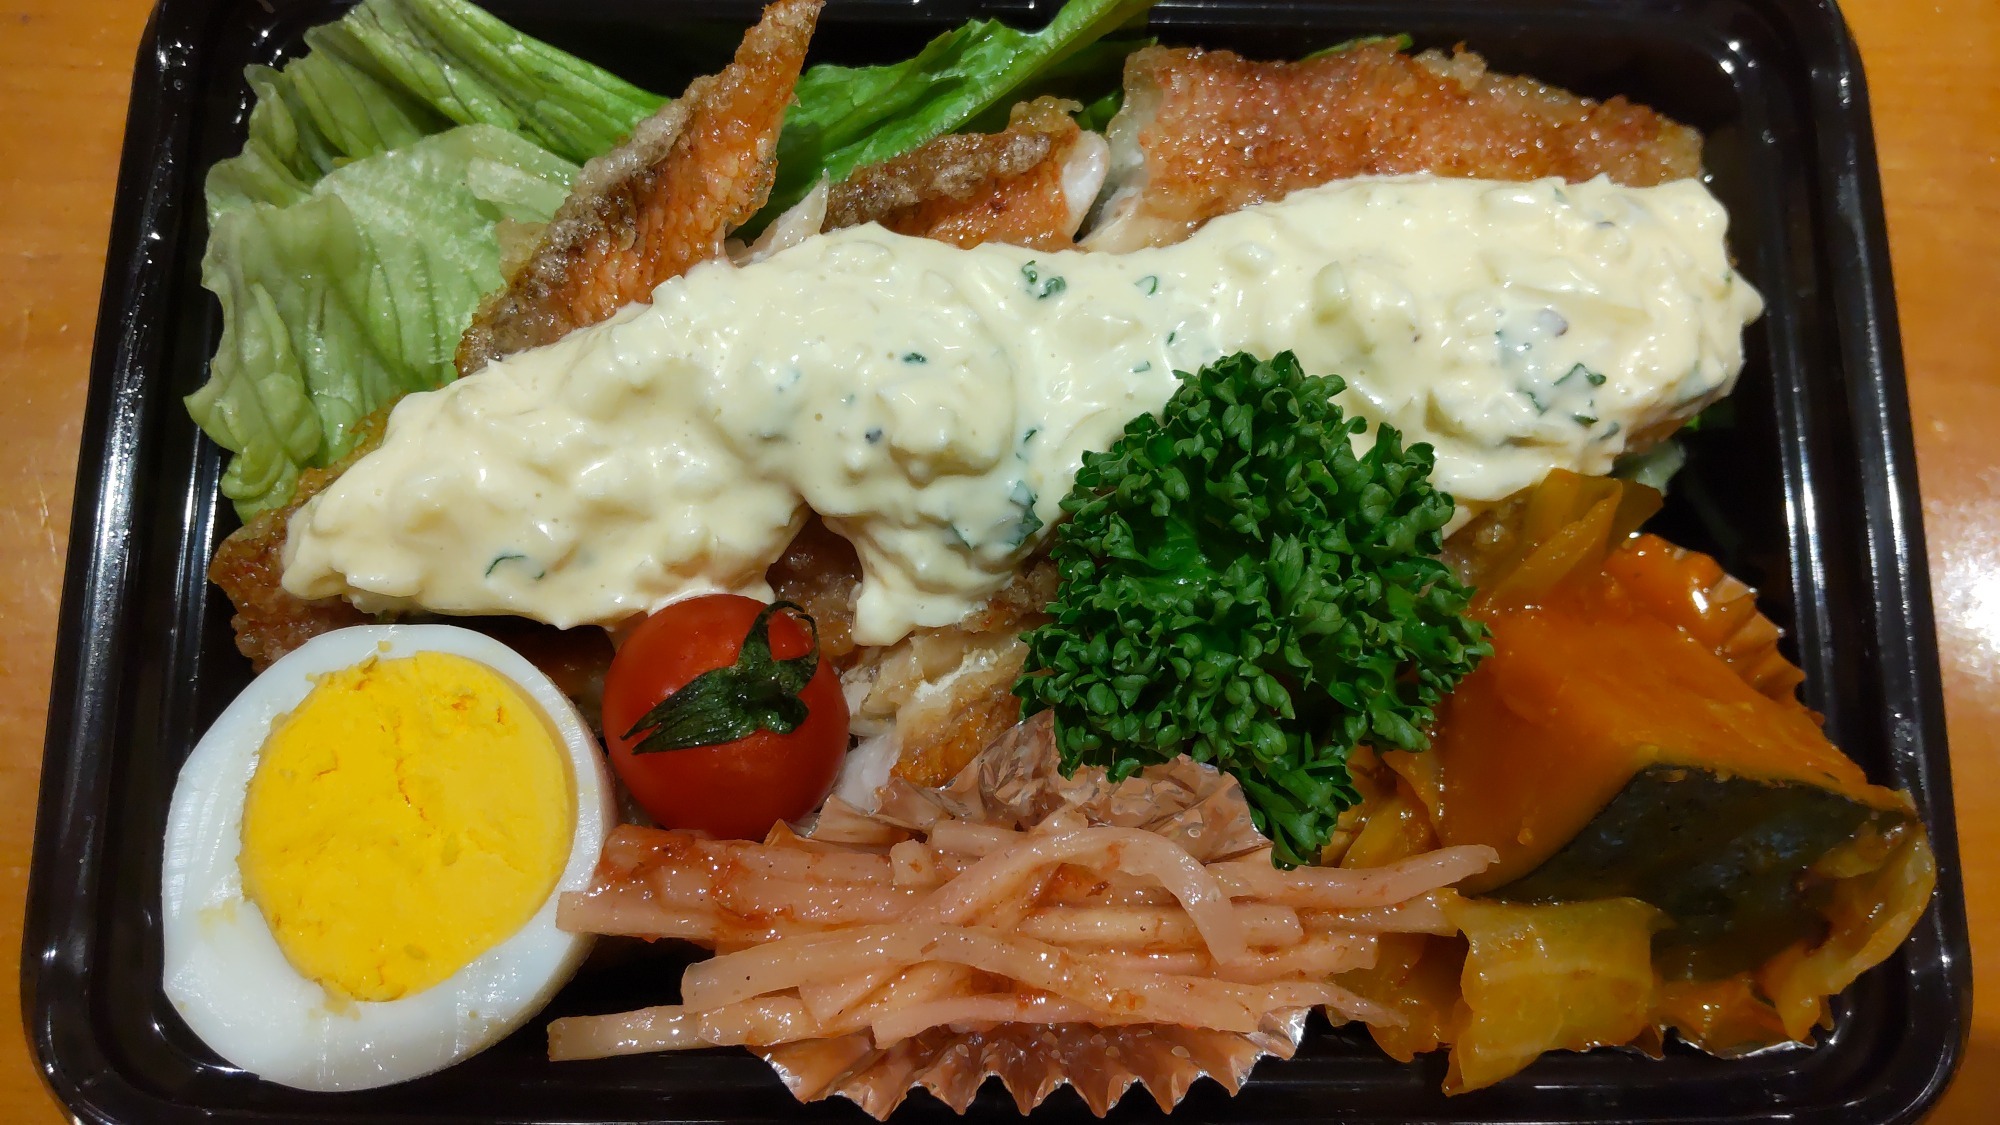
(363, 857)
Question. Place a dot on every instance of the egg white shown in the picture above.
(224, 970)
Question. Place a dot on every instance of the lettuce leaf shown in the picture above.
(848, 116)
(393, 71)
(357, 293)
(353, 238)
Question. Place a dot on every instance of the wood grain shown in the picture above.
(65, 67)
(1937, 128)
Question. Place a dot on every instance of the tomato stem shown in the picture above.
(722, 705)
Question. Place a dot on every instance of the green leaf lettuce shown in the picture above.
(847, 117)
(355, 294)
(353, 238)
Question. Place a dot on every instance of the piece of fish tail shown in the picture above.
(656, 205)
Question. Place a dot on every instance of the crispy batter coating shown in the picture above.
(575, 660)
(1021, 185)
(820, 572)
(657, 204)
(1204, 133)
(270, 620)
(975, 707)
(948, 692)
(937, 742)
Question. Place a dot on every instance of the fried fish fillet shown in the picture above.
(1030, 184)
(820, 572)
(1204, 133)
(941, 695)
(944, 692)
(938, 696)
(656, 205)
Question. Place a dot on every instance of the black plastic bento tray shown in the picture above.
(1809, 493)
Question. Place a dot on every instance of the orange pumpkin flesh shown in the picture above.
(1582, 692)
(1616, 657)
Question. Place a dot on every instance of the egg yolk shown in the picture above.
(409, 815)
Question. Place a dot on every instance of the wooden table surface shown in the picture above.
(65, 68)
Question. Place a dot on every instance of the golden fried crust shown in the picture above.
(972, 188)
(940, 739)
(1226, 132)
(820, 573)
(934, 753)
(656, 205)
(948, 725)
(270, 620)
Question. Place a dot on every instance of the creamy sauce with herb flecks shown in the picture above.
(933, 403)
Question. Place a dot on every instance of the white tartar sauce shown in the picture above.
(934, 403)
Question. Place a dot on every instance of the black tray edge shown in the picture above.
(1870, 337)
(150, 187)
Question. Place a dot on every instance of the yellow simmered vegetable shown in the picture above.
(1658, 797)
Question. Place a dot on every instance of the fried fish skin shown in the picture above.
(654, 206)
(1029, 185)
(1204, 133)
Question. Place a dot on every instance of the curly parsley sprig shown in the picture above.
(1239, 586)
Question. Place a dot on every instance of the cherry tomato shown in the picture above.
(734, 789)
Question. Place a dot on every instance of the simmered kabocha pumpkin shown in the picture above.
(1635, 738)
(1617, 744)
(1607, 753)
(1728, 859)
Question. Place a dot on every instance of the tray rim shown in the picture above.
(97, 607)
